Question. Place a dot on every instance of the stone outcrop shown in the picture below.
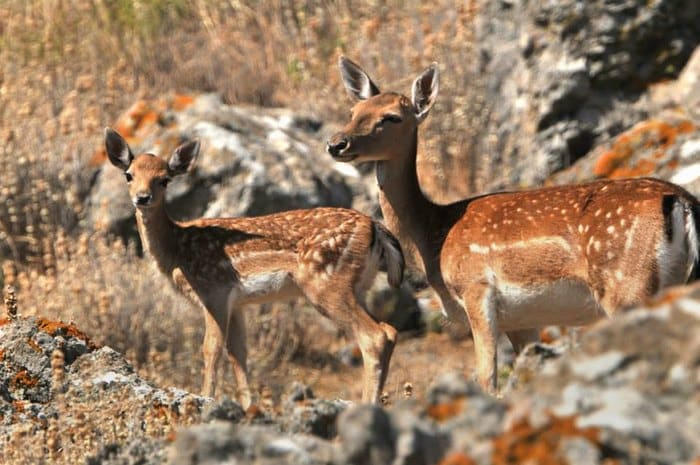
(624, 390)
(666, 145)
(560, 78)
(253, 161)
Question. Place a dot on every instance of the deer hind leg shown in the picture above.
(480, 303)
(388, 350)
(237, 350)
(519, 339)
(376, 341)
(211, 350)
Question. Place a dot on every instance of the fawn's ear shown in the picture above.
(425, 91)
(183, 157)
(117, 149)
(357, 82)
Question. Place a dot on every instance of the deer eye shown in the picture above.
(164, 182)
(128, 177)
(391, 119)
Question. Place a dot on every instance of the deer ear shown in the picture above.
(117, 149)
(356, 81)
(425, 91)
(183, 157)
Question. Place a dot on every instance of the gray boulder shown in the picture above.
(560, 77)
(253, 161)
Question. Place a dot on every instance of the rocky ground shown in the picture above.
(624, 391)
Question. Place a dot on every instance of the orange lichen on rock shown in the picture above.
(669, 296)
(33, 344)
(550, 334)
(446, 410)
(181, 101)
(647, 134)
(133, 119)
(58, 328)
(457, 458)
(643, 167)
(4, 321)
(18, 405)
(525, 444)
(23, 380)
(253, 412)
(139, 118)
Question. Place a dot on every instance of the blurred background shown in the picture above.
(531, 93)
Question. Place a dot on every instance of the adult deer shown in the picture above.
(328, 255)
(516, 261)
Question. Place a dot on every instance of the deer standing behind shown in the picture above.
(517, 261)
(328, 255)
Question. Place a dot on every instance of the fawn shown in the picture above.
(516, 261)
(328, 255)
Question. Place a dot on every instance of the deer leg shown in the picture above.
(238, 351)
(376, 342)
(451, 308)
(391, 335)
(211, 350)
(480, 305)
(519, 339)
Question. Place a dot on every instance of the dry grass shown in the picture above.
(69, 68)
(122, 301)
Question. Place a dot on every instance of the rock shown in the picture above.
(663, 147)
(366, 436)
(531, 361)
(299, 392)
(138, 451)
(626, 391)
(316, 416)
(580, 451)
(223, 409)
(253, 162)
(97, 399)
(450, 387)
(560, 78)
(417, 443)
(222, 442)
(597, 367)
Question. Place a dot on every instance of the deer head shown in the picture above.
(148, 175)
(380, 122)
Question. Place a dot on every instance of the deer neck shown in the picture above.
(157, 232)
(408, 213)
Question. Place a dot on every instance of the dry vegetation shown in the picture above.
(68, 68)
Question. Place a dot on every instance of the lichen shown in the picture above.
(23, 379)
(457, 458)
(446, 410)
(655, 135)
(524, 443)
(58, 328)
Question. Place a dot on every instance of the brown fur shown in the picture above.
(328, 255)
(515, 261)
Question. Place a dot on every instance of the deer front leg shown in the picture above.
(480, 305)
(237, 351)
(211, 350)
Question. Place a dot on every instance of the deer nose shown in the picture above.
(337, 148)
(142, 199)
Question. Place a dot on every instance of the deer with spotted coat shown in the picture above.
(516, 261)
(328, 255)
